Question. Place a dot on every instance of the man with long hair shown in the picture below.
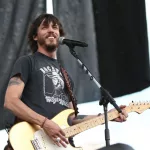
(37, 90)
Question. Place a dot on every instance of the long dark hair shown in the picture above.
(47, 18)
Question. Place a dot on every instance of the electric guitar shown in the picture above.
(25, 136)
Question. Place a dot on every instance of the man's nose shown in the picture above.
(50, 29)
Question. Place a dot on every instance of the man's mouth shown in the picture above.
(50, 37)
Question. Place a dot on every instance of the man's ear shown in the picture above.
(35, 38)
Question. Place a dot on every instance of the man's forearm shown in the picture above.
(81, 118)
(23, 112)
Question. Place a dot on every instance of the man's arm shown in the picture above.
(22, 111)
(13, 102)
(80, 118)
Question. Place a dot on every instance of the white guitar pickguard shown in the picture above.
(45, 143)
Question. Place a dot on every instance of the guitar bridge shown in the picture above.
(36, 144)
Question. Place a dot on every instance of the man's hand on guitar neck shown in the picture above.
(122, 116)
(55, 133)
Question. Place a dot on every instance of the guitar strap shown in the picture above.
(68, 85)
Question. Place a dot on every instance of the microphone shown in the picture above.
(69, 42)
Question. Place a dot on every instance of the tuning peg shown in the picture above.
(137, 103)
(132, 103)
(146, 102)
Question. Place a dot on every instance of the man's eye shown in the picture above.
(44, 27)
(55, 27)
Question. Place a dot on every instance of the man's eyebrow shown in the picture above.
(44, 25)
(55, 24)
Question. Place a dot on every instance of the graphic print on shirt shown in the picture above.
(53, 86)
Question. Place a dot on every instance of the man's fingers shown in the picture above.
(122, 117)
(63, 143)
(122, 106)
(55, 141)
(124, 113)
(59, 142)
(118, 120)
(63, 138)
(62, 132)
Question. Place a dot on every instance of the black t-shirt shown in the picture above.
(45, 91)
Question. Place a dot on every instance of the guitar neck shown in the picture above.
(91, 123)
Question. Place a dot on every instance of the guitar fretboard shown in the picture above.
(91, 123)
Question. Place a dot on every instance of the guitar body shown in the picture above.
(22, 134)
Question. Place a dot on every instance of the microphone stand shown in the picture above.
(106, 97)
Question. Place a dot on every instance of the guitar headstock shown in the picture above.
(139, 107)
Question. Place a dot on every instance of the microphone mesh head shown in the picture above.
(60, 40)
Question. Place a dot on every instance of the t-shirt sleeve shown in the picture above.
(23, 67)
